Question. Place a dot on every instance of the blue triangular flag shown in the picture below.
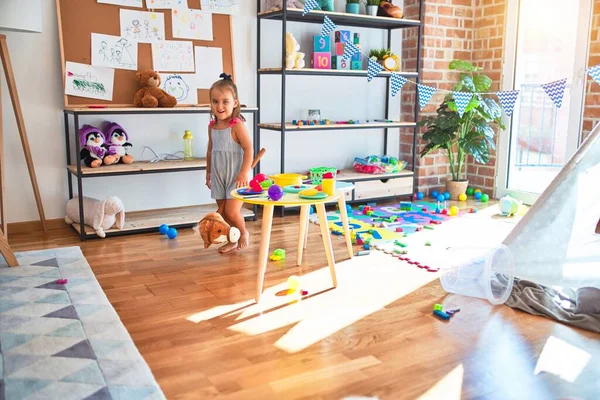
(328, 27)
(309, 6)
(373, 68)
(556, 90)
(462, 100)
(425, 94)
(397, 82)
(349, 50)
(595, 73)
(508, 99)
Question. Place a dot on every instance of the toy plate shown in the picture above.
(318, 196)
(294, 189)
(248, 192)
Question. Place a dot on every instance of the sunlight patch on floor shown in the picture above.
(562, 359)
(365, 285)
(447, 388)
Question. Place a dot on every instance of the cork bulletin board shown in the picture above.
(78, 19)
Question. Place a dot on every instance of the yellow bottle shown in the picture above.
(188, 152)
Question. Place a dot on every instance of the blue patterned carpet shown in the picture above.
(64, 341)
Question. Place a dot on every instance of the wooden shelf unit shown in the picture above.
(146, 220)
(332, 72)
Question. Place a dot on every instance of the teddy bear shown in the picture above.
(93, 154)
(275, 5)
(294, 59)
(151, 95)
(387, 9)
(214, 230)
(117, 142)
(101, 215)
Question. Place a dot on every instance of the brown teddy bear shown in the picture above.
(151, 95)
(214, 230)
(387, 9)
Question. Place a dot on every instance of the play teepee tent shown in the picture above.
(556, 248)
(556, 241)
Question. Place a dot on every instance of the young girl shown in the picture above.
(229, 155)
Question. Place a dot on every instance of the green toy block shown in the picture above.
(427, 243)
(356, 65)
(399, 243)
(438, 307)
(428, 227)
(321, 44)
(337, 62)
(369, 213)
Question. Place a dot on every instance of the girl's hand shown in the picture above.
(208, 184)
(241, 180)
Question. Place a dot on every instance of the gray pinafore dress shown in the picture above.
(226, 162)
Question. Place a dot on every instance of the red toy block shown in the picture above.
(398, 229)
(435, 222)
(339, 48)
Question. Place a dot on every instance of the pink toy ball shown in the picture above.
(255, 185)
(260, 177)
(275, 192)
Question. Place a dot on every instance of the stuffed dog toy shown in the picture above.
(214, 230)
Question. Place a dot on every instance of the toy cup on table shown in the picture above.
(328, 184)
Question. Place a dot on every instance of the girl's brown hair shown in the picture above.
(226, 84)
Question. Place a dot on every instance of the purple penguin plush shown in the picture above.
(92, 153)
(117, 142)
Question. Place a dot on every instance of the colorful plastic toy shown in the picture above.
(477, 195)
(278, 254)
(420, 195)
(454, 211)
(484, 198)
(462, 197)
(275, 192)
(293, 282)
(469, 191)
(163, 229)
(434, 194)
(172, 233)
(447, 195)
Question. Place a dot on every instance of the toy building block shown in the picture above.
(321, 60)
(342, 36)
(356, 65)
(339, 48)
(321, 44)
(357, 56)
(369, 213)
(337, 62)
(366, 246)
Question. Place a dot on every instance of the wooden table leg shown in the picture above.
(307, 224)
(326, 240)
(7, 252)
(263, 255)
(304, 210)
(346, 224)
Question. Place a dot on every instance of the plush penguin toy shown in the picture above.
(92, 153)
(117, 142)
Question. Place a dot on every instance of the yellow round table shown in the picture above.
(293, 200)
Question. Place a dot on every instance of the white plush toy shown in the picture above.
(101, 215)
(294, 59)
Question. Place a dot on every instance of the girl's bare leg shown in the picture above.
(233, 208)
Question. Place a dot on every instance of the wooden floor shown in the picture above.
(191, 314)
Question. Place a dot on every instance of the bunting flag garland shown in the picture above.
(349, 50)
(556, 91)
(328, 27)
(507, 100)
(397, 82)
(595, 73)
(309, 6)
(373, 68)
(425, 94)
(462, 100)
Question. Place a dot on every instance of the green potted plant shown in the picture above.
(353, 6)
(470, 134)
(371, 7)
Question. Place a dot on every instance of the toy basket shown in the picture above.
(378, 165)
(316, 174)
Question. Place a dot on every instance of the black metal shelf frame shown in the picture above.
(133, 111)
(341, 19)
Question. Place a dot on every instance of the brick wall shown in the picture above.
(591, 112)
(447, 35)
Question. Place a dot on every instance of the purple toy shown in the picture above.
(275, 192)
(117, 142)
(91, 141)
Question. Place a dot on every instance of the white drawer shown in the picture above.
(388, 188)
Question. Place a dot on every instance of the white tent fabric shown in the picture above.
(555, 243)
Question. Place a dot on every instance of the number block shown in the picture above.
(338, 63)
(356, 65)
(321, 44)
(357, 56)
(342, 36)
(339, 48)
(321, 60)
